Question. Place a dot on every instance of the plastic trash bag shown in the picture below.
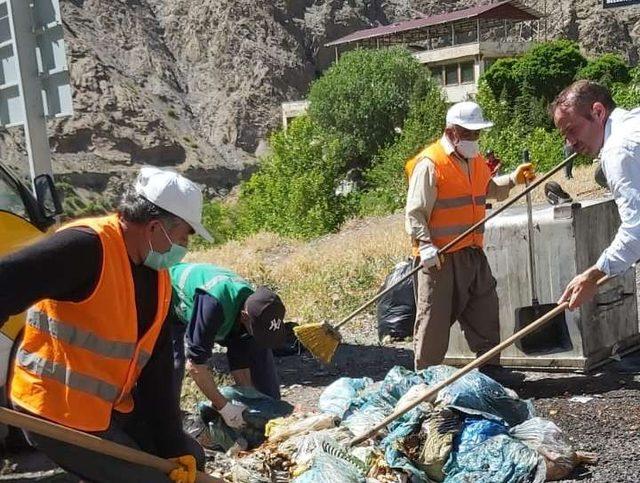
(395, 447)
(549, 441)
(437, 434)
(499, 458)
(475, 393)
(377, 404)
(396, 310)
(260, 409)
(475, 431)
(340, 395)
(281, 429)
(329, 466)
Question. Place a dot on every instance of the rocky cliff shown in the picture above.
(197, 84)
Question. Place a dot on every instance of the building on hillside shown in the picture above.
(457, 46)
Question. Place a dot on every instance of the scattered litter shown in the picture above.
(260, 410)
(283, 428)
(581, 399)
(475, 431)
(548, 440)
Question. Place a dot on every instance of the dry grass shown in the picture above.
(325, 278)
(329, 277)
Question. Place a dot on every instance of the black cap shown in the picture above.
(266, 318)
(555, 194)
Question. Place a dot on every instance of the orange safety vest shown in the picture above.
(79, 361)
(461, 199)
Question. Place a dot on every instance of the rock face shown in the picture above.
(197, 84)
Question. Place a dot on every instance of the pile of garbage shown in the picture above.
(475, 431)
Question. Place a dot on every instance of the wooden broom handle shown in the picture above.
(94, 443)
(433, 391)
(460, 237)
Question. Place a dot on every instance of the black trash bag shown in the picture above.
(397, 309)
(291, 346)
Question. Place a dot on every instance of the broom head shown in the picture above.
(321, 339)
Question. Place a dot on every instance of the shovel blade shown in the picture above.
(552, 337)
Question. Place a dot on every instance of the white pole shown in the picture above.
(35, 124)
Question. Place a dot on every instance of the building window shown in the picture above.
(451, 74)
(466, 73)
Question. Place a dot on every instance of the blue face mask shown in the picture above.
(159, 261)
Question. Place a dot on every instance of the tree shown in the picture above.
(293, 192)
(546, 69)
(549, 67)
(365, 96)
(386, 186)
(500, 78)
(607, 69)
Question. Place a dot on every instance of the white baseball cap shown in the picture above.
(467, 115)
(174, 193)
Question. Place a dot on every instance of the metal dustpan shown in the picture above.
(554, 335)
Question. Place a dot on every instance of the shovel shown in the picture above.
(554, 336)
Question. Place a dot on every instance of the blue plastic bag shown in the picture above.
(475, 393)
(341, 395)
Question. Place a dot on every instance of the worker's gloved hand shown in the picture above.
(186, 472)
(429, 256)
(232, 414)
(523, 173)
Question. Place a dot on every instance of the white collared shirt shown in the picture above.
(620, 160)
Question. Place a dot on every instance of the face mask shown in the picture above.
(467, 149)
(160, 261)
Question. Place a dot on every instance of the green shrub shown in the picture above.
(293, 192)
(219, 218)
(546, 69)
(607, 69)
(365, 96)
(386, 186)
(627, 96)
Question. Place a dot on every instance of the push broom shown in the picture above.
(322, 338)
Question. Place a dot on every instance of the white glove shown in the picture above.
(429, 256)
(232, 414)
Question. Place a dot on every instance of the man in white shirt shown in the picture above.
(449, 182)
(587, 117)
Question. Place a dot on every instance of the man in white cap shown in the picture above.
(449, 182)
(96, 355)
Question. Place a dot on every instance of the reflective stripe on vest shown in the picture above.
(58, 372)
(460, 201)
(79, 337)
(454, 230)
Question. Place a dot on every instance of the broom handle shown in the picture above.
(431, 392)
(460, 237)
(94, 443)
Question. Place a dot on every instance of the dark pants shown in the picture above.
(127, 430)
(260, 362)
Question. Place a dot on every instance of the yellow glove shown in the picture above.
(524, 172)
(186, 473)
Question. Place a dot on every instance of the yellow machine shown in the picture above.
(23, 220)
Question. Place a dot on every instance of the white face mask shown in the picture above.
(467, 149)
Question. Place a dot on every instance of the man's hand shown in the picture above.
(429, 256)
(186, 472)
(232, 414)
(523, 173)
(582, 288)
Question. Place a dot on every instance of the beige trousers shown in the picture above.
(464, 290)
